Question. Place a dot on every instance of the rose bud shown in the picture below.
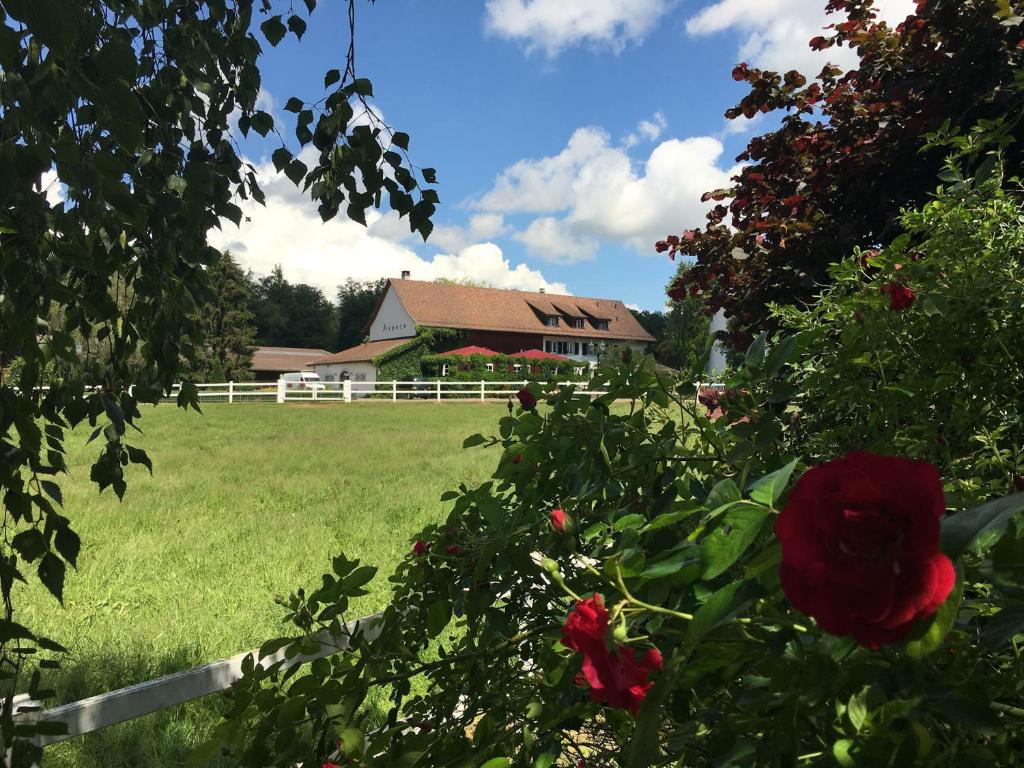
(561, 522)
(527, 399)
(420, 548)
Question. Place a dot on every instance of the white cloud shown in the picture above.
(554, 240)
(288, 231)
(601, 194)
(553, 25)
(646, 130)
(481, 227)
(776, 32)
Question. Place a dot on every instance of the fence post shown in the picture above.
(438, 390)
(280, 390)
(231, 391)
(394, 391)
(482, 391)
(346, 390)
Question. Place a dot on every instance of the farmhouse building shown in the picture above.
(268, 363)
(503, 321)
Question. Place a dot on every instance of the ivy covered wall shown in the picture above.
(474, 368)
(404, 362)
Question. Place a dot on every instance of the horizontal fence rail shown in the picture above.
(134, 701)
(346, 391)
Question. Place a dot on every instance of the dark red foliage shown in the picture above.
(848, 155)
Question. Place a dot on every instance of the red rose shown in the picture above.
(527, 399)
(562, 522)
(420, 548)
(860, 546)
(558, 520)
(617, 676)
(453, 549)
(900, 296)
(661, 246)
(517, 458)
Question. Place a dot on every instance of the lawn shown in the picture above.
(246, 501)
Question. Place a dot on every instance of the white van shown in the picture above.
(302, 380)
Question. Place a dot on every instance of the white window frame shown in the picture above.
(490, 367)
(444, 369)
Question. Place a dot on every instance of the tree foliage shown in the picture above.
(127, 112)
(292, 314)
(356, 302)
(852, 149)
(226, 325)
(938, 374)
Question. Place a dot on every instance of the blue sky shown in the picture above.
(568, 135)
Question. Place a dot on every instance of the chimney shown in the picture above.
(405, 274)
(540, 290)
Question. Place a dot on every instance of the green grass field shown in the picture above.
(246, 501)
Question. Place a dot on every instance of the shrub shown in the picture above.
(916, 348)
(613, 597)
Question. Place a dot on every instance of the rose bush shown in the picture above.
(672, 626)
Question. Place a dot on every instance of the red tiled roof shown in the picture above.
(364, 353)
(471, 350)
(540, 354)
(450, 305)
(283, 359)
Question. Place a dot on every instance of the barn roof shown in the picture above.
(283, 359)
(451, 305)
(364, 353)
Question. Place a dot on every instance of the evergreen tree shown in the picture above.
(227, 325)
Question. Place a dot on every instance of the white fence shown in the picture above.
(346, 391)
(134, 701)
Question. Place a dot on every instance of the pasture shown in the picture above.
(246, 501)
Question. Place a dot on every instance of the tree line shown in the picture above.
(248, 310)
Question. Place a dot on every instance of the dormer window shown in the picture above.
(601, 325)
(551, 321)
(576, 322)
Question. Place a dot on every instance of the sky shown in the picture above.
(568, 135)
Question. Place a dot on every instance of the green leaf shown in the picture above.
(52, 490)
(755, 353)
(294, 105)
(725, 492)
(736, 532)
(1003, 627)
(51, 573)
(297, 25)
(68, 544)
(274, 30)
(857, 708)
(362, 87)
(633, 520)
(261, 122)
(722, 606)
(281, 157)
(438, 616)
(768, 489)
(400, 139)
(841, 752)
(961, 530)
(780, 354)
(497, 762)
(429, 175)
(296, 171)
(30, 544)
(670, 565)
(929, 633)
(474, 440)
(546, 760)
(331, 77)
